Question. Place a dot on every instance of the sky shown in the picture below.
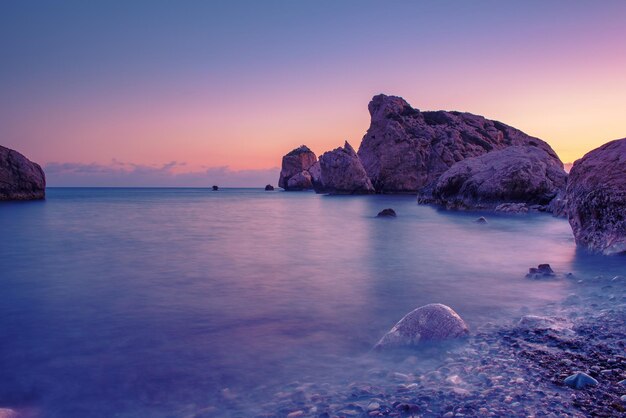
(195, 93)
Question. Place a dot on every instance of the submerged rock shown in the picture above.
(343, 173)
(596, 199)
(434, 322)
(405, 149)
(580, 380)
(297, 164)
(542, 270)
(386, 213)
(508, 180)
(269, 188)
(20, 178)
(481, 220)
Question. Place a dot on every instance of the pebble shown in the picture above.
(580, 380)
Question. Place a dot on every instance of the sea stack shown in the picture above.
(596, 199)
(406, 150)
(295, 173)
(343, 173)
(20, 178)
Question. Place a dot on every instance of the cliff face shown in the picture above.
(20, 178)
(596, 199)
(406, 150)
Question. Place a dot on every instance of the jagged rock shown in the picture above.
(596, 199)
(269, 188)
(542, 270)
(316, 177)
(406, 150)
(297, 164)
(434, 322)
(343, 173)
(580, 380)
(20, 178)
(481, 220)
(514, 179)
(386, 213)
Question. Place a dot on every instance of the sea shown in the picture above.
(156, 302)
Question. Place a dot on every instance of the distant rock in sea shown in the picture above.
(596, 199)
(215, 188)
(294, 173)
(20, 178)
(386, 213)
(269, 188)
(343, 173)
(406, 150)
(434, 322)
(516, 177)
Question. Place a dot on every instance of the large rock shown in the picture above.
(517, 174)
(434, 322)
(406, 150)
(596, 199)
(297, 164)
(343, 173)
(20, 178)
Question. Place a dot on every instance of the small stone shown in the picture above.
(580, 380)
(373, 406)
(295, 414)
(622, 382)
(623, 399)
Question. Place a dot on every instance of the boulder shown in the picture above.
(343, 173)
(386, 213)
(316, 177)
(580, 380)
(514, 179)
(406, 150)
(541, 271)
(269, 188)
(434, 322)
(297, 164)
(596, 199)
(20, 178)
(300, 181)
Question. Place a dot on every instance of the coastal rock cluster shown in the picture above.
(458, 160)
(596, 199)
(466, 162)
(20, 178)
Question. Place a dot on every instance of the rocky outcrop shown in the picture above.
(508, 179)
(596, 199)
(434, 322)
(294, 173)
(20, 178)
(386, 213)
(343, 173)
(406, 150)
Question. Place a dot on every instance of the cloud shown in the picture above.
(172, 174)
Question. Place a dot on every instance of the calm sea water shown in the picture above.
(149, 302)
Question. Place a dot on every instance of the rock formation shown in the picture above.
(20, 178)
(596, 199)
(269, 188)
(518, 175)
(434, 322)
(294, 173)
(406, 150)
(343, 173)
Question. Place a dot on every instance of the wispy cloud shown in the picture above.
(172, 174)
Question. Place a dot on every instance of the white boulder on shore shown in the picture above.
(433, 322)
